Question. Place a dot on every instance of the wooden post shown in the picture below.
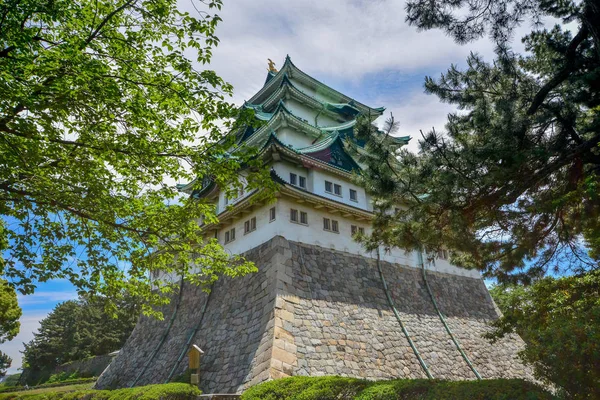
(194, 365)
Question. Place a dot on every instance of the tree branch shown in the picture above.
(563, 74)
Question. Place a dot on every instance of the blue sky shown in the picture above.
(362, 48)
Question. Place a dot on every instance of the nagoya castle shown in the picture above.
(319, 304)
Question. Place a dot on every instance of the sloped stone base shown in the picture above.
(315, 311)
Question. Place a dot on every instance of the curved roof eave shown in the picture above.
(286, 86)
(347, 99)
(288, 66)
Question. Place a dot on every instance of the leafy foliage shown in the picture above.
(170, 391)
(5, 362)
(338, 388)
(558, 320)
(100, 107)
(75, 330)
(513, 184)
(10, 312)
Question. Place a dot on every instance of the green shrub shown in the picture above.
(170, 391)
(306, 388)
(62, 377)
(338, 388)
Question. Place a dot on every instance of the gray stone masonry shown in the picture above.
(315, 311)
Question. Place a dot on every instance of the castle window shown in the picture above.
(303, 218)
(302, 182)
(293, 179)
(357, 229)
(331, 225)
(353, 195)
(337, 189)
(294, 216)
(328, 187)
(335, 226)
(230, 235)
(250, 225)
(272, 214)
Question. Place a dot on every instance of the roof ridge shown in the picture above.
(289, 64)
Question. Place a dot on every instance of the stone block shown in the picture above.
(284, 356)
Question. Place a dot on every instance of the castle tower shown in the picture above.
(319, 305)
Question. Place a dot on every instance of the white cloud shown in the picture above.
(345, 40)
(30, 321)
(29, 325)
(46, 297)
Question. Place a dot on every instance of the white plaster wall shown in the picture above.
(316, 184)
(284, 168)
(292, 137)
(265, 230)
(318, 179)
(309, 114)
(313, 233)
(221, 206)
(311, 92)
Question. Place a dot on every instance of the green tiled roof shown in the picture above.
(328, 143)
(287, 88)
(289, 70)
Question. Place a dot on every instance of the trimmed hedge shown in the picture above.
(338, 388)
(170, 391)
(70, 382)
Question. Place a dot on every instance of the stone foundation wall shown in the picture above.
(315, 311)
(343, 323)
(236, 334)
(88, 367)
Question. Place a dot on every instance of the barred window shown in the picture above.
(302, 182)
(250, 225)
(353, 195)
(230, 235)
(335, 226)
(337, 189)
(303, 217)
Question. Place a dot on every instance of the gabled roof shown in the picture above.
(330, 153)
(283, 115)
(289, 70)
(288, 89)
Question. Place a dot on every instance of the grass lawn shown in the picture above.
(56, 389)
